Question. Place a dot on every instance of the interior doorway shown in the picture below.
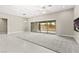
(3, 26)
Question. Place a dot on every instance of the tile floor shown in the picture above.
(30, 42)
(52, 42)
(12, 44)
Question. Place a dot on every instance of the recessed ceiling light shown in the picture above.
(25, 21)
(41, 9)
(43, 12)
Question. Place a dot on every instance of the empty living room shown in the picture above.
(39, 28)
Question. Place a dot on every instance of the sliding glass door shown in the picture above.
(51, 27)
(44, 26)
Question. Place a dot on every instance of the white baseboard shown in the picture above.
(3, 33)
(65, 35)
(15, 32)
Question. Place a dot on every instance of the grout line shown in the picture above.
(37, 44)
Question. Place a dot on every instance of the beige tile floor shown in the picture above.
(53, 42)
(30, 42)
(12, 44)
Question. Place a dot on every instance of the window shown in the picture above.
(44, 26)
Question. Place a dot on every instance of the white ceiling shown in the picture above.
(32, 10)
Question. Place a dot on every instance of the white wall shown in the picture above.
(64, 21)
(15, 23)
(76, 15)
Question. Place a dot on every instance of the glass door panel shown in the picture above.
(51, 27)
(43, 27)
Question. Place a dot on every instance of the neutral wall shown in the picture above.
(14, 23)
(76, 15)
(64, 21)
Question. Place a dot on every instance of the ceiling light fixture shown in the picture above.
(41, 9)
(25, 21)
(44, 7)
(43, 12)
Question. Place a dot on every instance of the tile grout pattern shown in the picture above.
(54, 42)
(37, 44)
(11, 44)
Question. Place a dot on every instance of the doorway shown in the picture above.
(3, 26)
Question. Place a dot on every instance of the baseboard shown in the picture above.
(3, 33)
(65, 35)
(15, 32)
